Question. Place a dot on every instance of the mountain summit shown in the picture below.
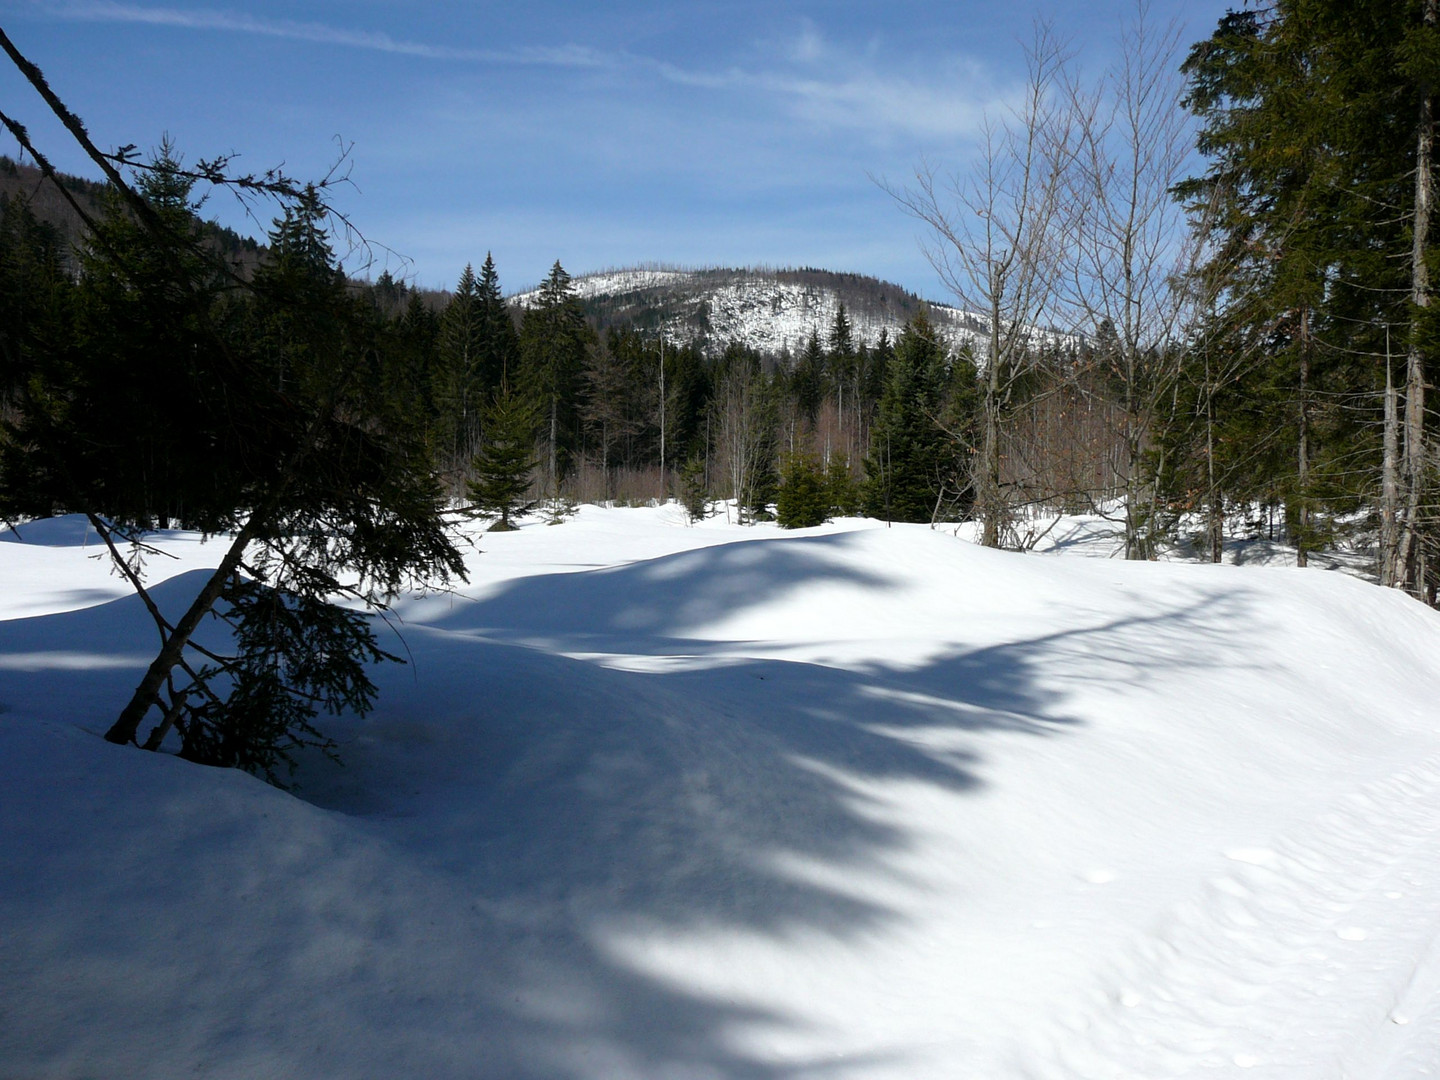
(767, 309)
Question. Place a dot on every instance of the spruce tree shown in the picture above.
(553, 342)
(807, 380)
(258, 410)
(843, 493)
(844, 375)
(460, 390)
(911, 461)
(504, 466)
(803, 498)
(694, 496)
(499, 344)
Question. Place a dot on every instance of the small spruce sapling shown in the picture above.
(803, 500)
(505, 463)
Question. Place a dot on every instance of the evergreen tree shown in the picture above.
(807, 380)
(36, 296)
(844, 375)
(460, 390)
(843, 493)
(694, 496)
(263, 416)
(803, 498)
(606, 406)
(415, 335)
(911, 461)
(504, 466)
(1318, 123)
(553, 342)
(499, 345)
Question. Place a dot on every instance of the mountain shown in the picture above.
(49, 204)
(766, 309)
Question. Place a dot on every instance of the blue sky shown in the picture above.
(698, 134)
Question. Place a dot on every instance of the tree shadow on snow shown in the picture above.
(523, 822)
(586, 807)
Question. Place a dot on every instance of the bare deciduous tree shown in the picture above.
(1126, 243)
(994, 239)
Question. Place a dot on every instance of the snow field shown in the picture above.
(663, 801)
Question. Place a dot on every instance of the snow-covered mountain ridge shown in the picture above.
(769, 310)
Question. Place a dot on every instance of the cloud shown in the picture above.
(947, 103)
(573, 56)
(950, 106)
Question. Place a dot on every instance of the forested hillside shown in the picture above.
(770, 310)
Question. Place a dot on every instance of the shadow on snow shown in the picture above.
(550, 809)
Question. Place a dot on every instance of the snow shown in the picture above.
(661, 801)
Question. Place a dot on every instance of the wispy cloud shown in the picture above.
(867, 101)
(947, 103)
(575, 56)
(949, 100)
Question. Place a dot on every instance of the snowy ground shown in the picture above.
(659, 801)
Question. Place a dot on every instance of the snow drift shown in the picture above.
(655, 801)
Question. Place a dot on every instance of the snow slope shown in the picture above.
(656, 801)
(763, 309)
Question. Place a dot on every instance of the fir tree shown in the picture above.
(807, 381)
(694, 496)
(843, 493)
(499, 344)
(460, 390)
(264, 416)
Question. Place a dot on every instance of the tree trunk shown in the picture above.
(554, 437)
(989, 472)
(1389, 482)
(127, 725)
(662, 421)
(1215, 506)
(1410, 562)
(1302, 509)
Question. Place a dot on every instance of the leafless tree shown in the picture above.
(744, 429)
(994, 236)
(1127, 246)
